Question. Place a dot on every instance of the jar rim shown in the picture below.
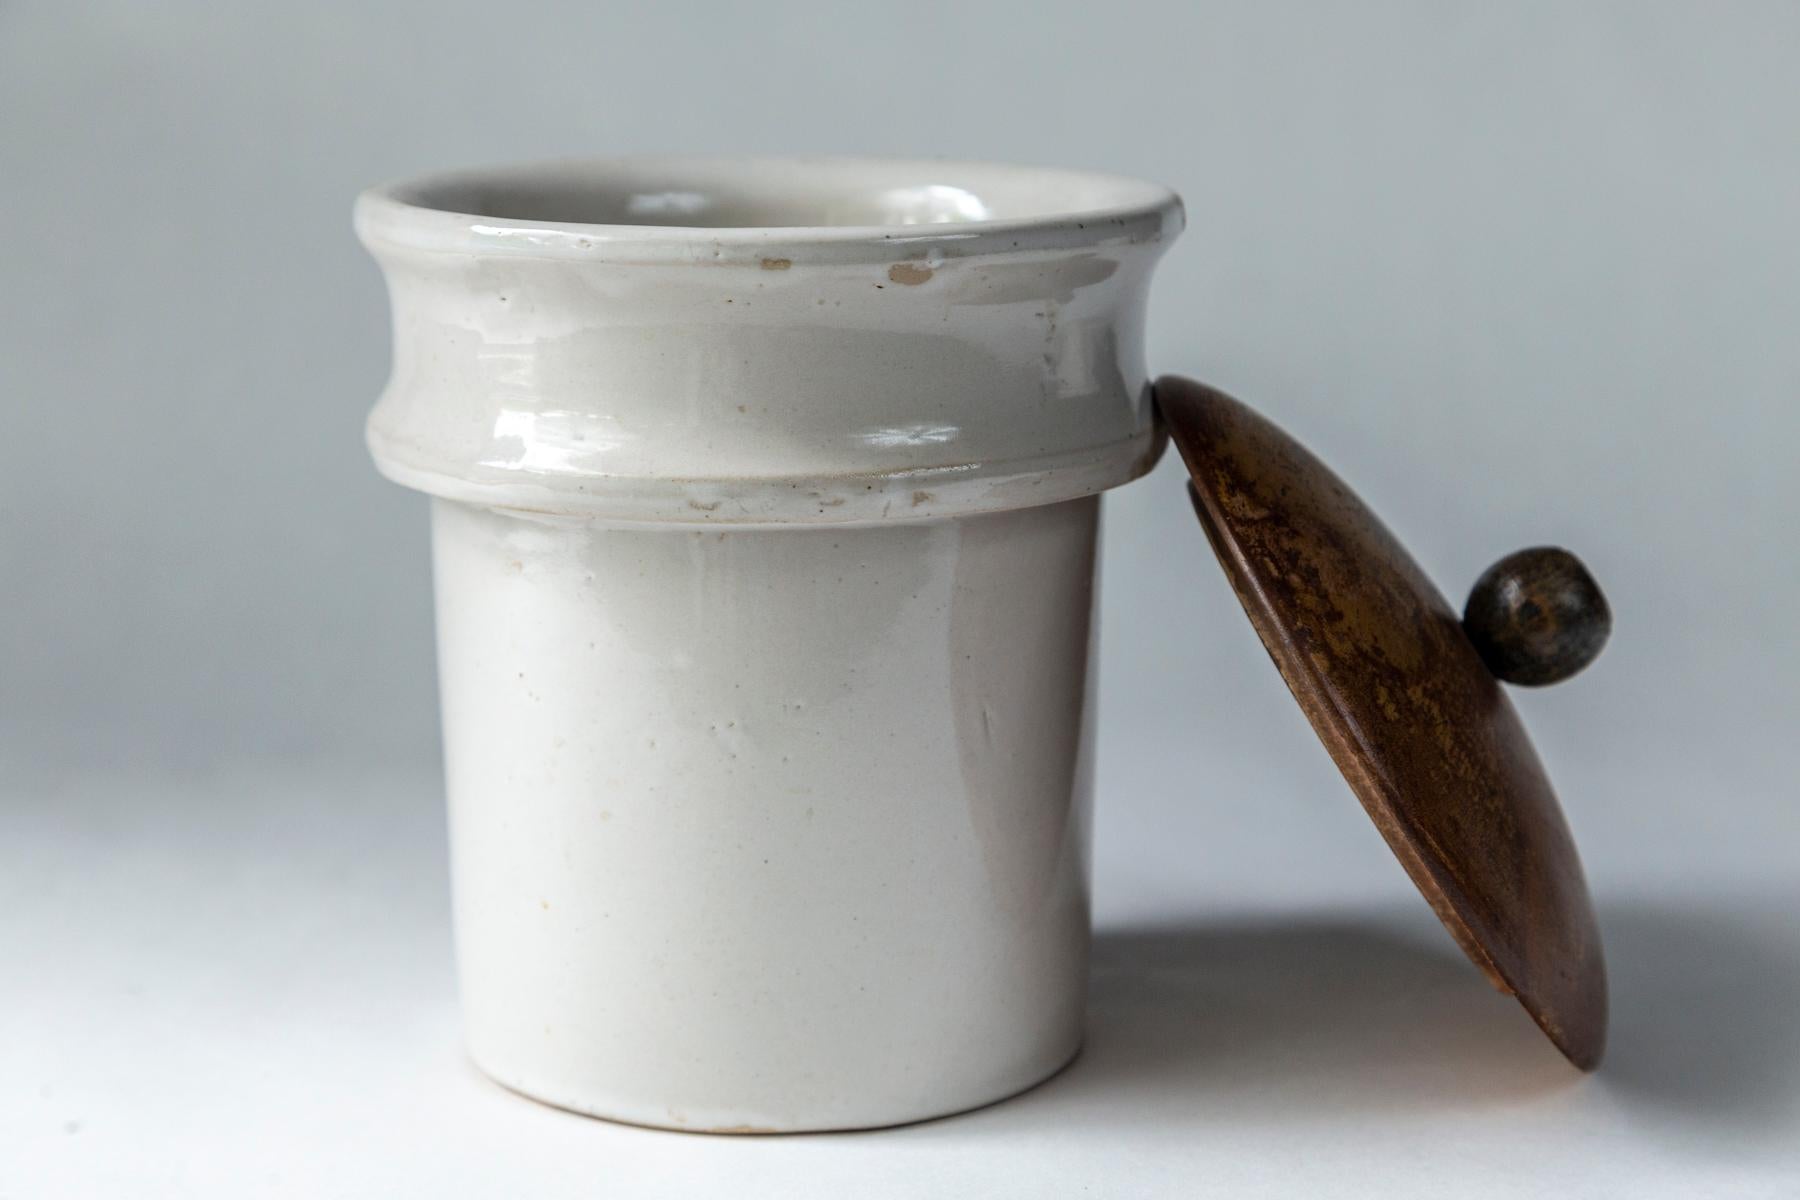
(785, 211)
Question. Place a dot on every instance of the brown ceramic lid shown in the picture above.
(1401, 696)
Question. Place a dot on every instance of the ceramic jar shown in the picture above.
(765, 503)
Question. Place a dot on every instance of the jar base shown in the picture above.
(669, 1121)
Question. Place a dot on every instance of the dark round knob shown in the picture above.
(1537, 616)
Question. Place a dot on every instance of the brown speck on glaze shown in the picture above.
(777, 264)
(695, 504)
(911, 274)
(921, 498)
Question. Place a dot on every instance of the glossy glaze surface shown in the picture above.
(704, 375)
(772, 829)
(764, 570)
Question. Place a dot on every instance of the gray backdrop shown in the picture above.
(1523, 273)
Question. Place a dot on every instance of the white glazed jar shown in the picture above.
(766, 496)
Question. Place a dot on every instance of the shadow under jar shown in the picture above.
(765, 503)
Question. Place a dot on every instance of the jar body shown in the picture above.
(769, 829)
(765, 546)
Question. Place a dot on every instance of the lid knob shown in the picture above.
(1537, 616)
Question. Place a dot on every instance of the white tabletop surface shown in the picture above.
(242, 986)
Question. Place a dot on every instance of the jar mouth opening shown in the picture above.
(693, 208)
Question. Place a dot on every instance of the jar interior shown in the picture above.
(772, 193)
